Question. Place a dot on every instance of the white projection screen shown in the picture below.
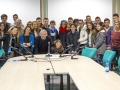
(27, 10)
(62, 9)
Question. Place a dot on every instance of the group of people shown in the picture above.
(77, 32)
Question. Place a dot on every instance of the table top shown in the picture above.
(29, 75)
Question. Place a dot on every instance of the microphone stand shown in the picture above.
(61, 55)
(48, 54)
(19, 53)
(32, 56)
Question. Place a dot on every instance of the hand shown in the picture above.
(28, 44)
(72, 52)
(109, 48)
(83, 36)
(78, 40)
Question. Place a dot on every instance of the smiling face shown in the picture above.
(58, 44)
(98, 27)
(35, 25)
(73, 28)
(2, 26)
(89, 26)
(15, 31)
(117, 25)
(27, 31)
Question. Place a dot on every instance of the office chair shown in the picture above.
(108, 55)
(89, 52)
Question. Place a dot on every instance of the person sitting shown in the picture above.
(41, 43)
(14, 39)
(27, 41)
(58, 48)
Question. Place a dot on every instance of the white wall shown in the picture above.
(62, 9)
(27, 10)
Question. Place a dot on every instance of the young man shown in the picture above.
(70, 20)
(76, 22)
(46, 25)
(108, 32)
(41, 43)
(97, 21)
(15, 17)
(4, 20)
(38, 20)
(88, 19)
(115, 17)
(53, 31)
(83, 33)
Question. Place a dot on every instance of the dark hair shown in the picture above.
(38, 18)
(26, 28)
(76, 20)
(97, 18)
(93, 27)
(115, 14)
(62, 22)
(15, 15)
(3, 15)
(70, 18)
(52, 22)
(2, 23)
(101, 24)
(88, 16)
(106, 19)
(73, 25)
(45, 19)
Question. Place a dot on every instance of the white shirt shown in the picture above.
(90, 39)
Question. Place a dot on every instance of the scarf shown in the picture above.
(63, 30)
(52, 31)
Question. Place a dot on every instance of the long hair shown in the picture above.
(31, 24)
(66, 25)
(101, 24)
(61, 49)
(93, 28)
(4, 27)
(25, 29)
(38, 29)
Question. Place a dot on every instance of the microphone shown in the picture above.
(82, 47)
(48, 54)
(15, 49)
(28, 50)
(69, 46)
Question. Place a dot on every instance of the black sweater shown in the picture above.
(41, 46)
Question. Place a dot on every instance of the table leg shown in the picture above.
(61, 82)
(68, 82)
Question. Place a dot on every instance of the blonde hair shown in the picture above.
(38, 28)
(31, 24)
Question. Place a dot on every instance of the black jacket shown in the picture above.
(41, 46)
(6, 40)
(72, 39)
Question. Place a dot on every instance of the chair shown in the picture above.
(89, 52)
(108, 55)
(2, 59)
(117, 69)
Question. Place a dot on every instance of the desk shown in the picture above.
(29, 75)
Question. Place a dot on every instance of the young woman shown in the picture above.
(91, 34)
(100, 42)
(72, 38)
(58, 48)
(115, 41)
(29, 24)
(63, 30)
(4, 38)
(14, 41)
(36, 29)
(27, 40)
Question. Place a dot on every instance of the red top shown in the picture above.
(115, 39)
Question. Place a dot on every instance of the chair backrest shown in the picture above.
(108, 55)
(2, 52)
(119, 63)
(89, 52)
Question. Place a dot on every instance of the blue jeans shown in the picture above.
(99, 58)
